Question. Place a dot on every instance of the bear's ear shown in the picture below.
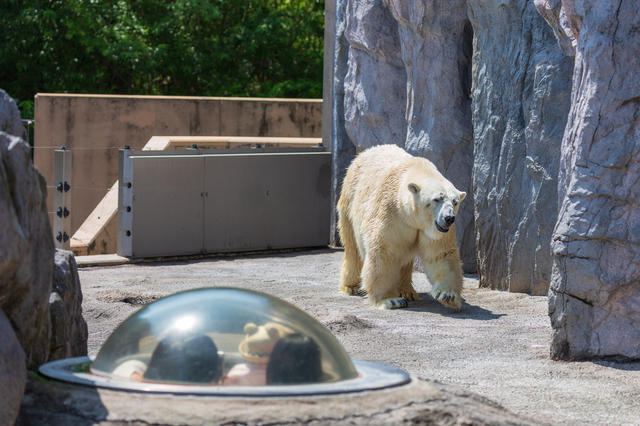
(462, 195)
(414, 188)
(250, 328)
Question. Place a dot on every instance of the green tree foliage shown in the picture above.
(256, 48)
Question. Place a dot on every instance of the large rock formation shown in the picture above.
(521, 97)
(48, 325)
(68, 328)
(594, 299)
(26, 249)
(375, 87)
(408, 83)
(343, 150)
(10, 121)
(13, 372)
(13, 366)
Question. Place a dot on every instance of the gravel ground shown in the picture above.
(498, 346)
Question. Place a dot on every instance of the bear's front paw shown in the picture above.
(393, 303)
(447, 297)
(409, 294)
(353, 291)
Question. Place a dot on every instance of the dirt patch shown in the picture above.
(126, 296)
(347, 324)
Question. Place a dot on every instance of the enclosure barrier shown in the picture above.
(102, 221)
(203, 201)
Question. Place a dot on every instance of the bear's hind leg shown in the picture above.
(380, 277)
(352, 262)
(406, 286)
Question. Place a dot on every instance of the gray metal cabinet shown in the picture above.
(243, 200)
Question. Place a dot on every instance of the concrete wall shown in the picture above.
(96, 126)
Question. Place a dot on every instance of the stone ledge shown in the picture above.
(420, 402)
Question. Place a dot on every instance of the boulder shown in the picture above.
(26, 243)
(521, 98)
(13, 372)
(594, 299)
(408, 83)
(10, 121)
(48, 324)
(68, 328)
(26, 249)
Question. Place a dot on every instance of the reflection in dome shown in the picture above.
(223, 336)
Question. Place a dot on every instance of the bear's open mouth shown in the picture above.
(441, 228)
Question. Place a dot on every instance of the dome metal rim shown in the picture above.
(371, 377)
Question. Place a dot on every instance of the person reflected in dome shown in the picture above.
(185, 358)
(295, 359)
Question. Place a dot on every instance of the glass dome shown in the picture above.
(222, 337)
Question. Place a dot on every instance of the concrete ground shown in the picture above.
(498, 346)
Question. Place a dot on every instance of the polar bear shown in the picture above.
(394, 207)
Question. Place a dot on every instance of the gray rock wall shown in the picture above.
(343, 151)
(594, 299)
(375, 87)
(68, 328)
(521, 98)
(13, 372)
(48, 325)
(10, 121)
(407, 83)
(26, 249)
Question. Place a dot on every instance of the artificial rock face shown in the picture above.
(336, 66)
(521, 97)
(48, 325)
(594, 299)
(68, 328)
(10, 121)
(408, 83)
(26, 249)
(23, 310)
(13, 372)
(375, 84)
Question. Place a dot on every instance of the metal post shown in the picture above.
(62, 199)
(125, 203)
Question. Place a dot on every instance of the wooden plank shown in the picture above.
(222, 142)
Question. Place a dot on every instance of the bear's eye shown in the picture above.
(455, 203)
(439, 199)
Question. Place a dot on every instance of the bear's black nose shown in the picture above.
(449, 220)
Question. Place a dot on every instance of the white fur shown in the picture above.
(394, 207)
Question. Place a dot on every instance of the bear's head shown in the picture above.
(435, 203)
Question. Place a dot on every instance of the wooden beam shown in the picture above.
(223, 142)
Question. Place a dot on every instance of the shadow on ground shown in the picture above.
(469, 311)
